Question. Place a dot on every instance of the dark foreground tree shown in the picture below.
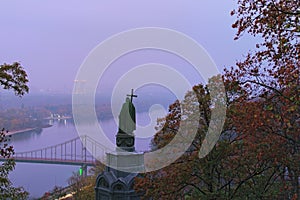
(12, 77)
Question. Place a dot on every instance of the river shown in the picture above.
(40, 178)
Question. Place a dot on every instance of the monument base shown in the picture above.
(117, 181)
(124, 163)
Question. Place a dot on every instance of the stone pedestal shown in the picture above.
(126, 162)
(117, 181)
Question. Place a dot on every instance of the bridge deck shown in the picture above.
(52, 161)
(71, 152)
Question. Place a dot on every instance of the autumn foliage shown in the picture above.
(257, 155)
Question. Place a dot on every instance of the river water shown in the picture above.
(40, 178)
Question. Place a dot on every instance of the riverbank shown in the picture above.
(25, 130)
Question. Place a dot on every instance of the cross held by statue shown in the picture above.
(131, 95)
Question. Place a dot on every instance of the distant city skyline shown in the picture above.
(52, 38)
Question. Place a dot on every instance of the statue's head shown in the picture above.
(127, 99)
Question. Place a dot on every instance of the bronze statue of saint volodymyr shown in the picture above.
(127, 125)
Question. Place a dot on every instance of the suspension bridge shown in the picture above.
(72, 152)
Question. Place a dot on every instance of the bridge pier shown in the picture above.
(84, 170)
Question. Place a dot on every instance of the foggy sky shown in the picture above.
(52, 38)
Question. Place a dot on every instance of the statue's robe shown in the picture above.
(127, 123)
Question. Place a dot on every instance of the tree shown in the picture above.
(11, 77)
(257, 156)
(189, 176)
(248, 161)
(232, 170)
(271, 74)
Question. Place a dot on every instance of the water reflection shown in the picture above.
(60, 122)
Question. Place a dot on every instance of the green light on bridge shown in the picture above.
(80, 171)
